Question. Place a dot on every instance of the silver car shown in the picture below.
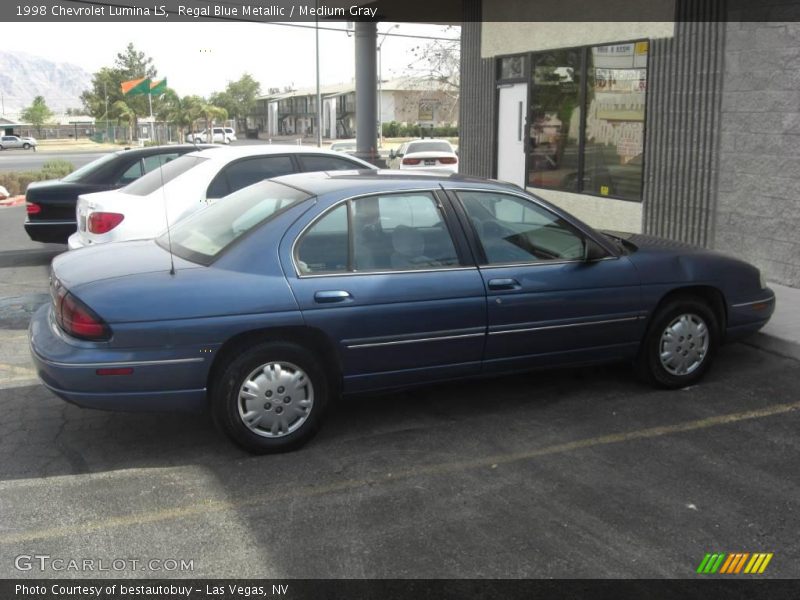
(15, 141)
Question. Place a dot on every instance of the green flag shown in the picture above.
(158, 87)
(136, 86)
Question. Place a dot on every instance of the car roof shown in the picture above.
(229, 153)
(151, 150)
(365, 182)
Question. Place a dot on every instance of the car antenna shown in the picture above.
(166, 218)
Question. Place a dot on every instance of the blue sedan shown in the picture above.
(269, 304)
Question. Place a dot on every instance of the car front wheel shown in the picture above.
(271, 398)
(26, 146)
(680, 345)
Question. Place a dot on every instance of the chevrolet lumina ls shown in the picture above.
(267, 306)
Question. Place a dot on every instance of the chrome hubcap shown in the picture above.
(275, 399)
(684, 344)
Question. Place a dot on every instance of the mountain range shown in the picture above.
(24, 76)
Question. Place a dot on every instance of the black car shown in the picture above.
(51, 204)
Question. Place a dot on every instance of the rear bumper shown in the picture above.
(74, 242)
(159, 381)
(50, 232)
(746, 318)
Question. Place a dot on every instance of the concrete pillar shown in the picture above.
(366, 84)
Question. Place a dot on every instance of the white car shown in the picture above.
(16, 141)
(222, 135)
(427, 155)
(186, 184)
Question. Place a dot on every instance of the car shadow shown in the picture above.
(43, 436)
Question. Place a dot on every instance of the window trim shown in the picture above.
(584, 50)
(440, 206)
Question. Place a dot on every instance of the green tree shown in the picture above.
(37, 114)
(105, 90)
(239, 97)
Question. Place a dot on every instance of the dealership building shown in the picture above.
(686, 126)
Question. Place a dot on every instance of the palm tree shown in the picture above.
(125, 113)
(176, 110)
(211, 114)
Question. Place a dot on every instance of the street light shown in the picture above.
(380, 85)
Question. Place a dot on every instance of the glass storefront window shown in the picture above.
(555, 120)
(586, 126)
(615, 100)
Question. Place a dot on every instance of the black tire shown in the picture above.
(666, 373)
(228, 408)
(26, 146)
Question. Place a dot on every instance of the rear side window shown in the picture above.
(393, 232)
(327, 163)
(155, 179)
(149, 163)
(247, 172)
(131, 174)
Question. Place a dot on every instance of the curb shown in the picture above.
(774, 345)
(13, 201)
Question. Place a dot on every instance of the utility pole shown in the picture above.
(319, 94)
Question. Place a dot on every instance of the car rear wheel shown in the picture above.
(271, 398)
(680, 344)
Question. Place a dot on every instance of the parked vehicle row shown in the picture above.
(51, 204)
(185, 185)
(267, 305)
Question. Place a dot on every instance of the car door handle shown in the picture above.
(332, 296)
(504, 284)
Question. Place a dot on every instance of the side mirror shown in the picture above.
(593, 251)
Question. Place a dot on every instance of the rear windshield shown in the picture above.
(149, 183)
(429, 147)
(203, 236)
(85, 170)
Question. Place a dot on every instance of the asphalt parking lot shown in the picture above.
(574, 473)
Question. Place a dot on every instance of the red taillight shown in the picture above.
(75, 318)
(411, 161)
(32, 208)
(103, 222)
(448, 160)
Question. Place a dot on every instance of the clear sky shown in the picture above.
(200, 58)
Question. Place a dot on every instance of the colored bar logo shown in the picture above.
(734, 563)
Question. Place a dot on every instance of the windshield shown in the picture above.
(204, 235)
(78, 174)
(149, 183)
(429, 147)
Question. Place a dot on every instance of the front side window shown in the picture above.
(514, 230)
(586, 126)
(393, 232)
